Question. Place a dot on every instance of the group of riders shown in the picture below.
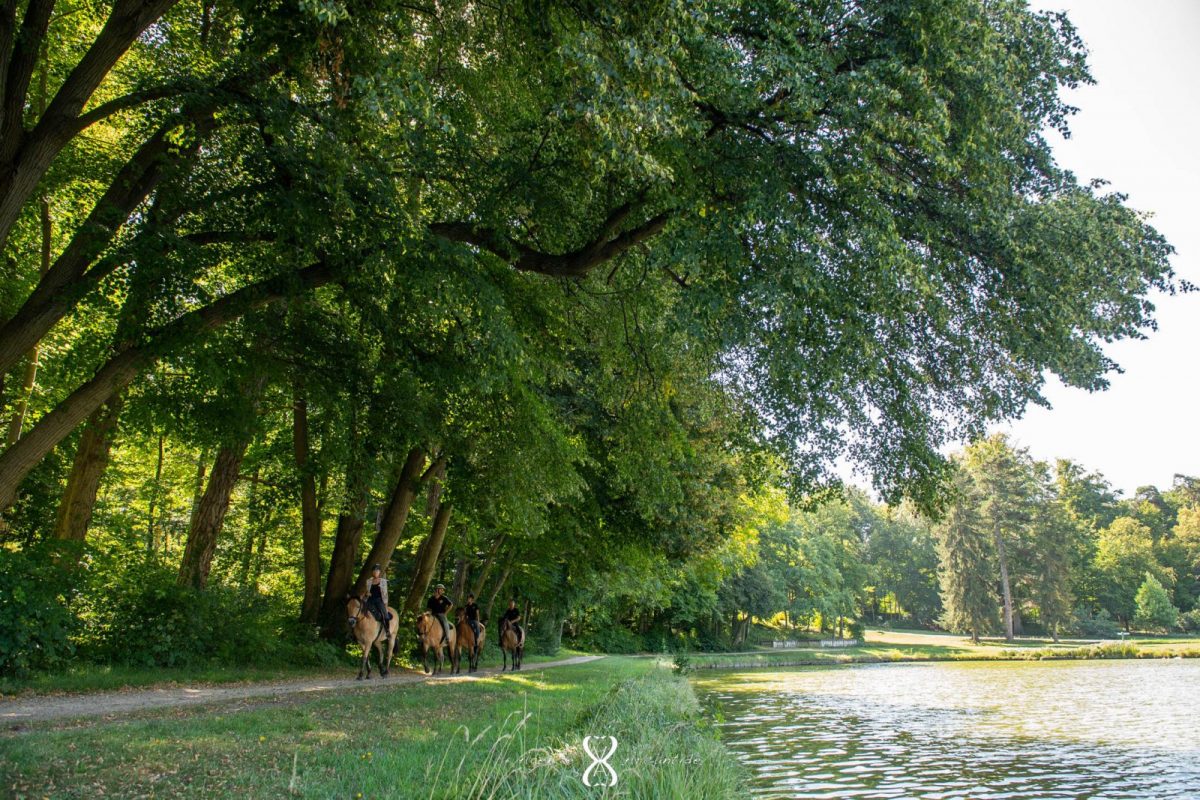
(439, 603)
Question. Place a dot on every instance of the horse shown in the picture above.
(429, 635)
(466, 641)
(510, 642)
(371, 635)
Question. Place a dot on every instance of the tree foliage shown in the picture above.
(281, 291)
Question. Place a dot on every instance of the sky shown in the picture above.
(1139, 128)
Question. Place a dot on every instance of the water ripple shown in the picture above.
(1097, 729)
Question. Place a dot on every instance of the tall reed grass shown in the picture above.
(665, 749)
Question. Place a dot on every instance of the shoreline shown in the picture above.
(769, 659)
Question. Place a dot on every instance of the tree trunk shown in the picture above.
(310, 524)
(394, 518)
(17, 422)
(251, 529)
(210, 515)
(491, 603)
(1004, 585)
(91, 459)
(346, 543)
(461, 564)
(428, 556)
(154, 491)
(348, 534)
(198, 485)
(259, 554)
(484, 571)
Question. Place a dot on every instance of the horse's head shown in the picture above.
(354, 609)
(421, 621)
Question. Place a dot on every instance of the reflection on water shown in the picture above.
(1079, 729)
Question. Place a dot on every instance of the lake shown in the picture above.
(1077, 729)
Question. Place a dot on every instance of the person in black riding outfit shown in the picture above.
(438, 605)
(377, 596)
(513, 615)
(471, 610)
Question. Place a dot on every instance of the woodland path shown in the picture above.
(17, 711)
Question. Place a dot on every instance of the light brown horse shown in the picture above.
(371, 635)
(466, 642)
(429, 635)
(511, 642)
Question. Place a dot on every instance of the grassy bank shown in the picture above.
(86, 677)
(900, 646)
(503, 736)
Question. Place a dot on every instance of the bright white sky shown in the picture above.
(1138, 127)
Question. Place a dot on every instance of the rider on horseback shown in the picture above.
(512, 616)
(377, 600)
(471, 610)
(438, 605)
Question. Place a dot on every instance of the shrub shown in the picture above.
(1154, 608)
(147, 620)
(36, 592)
(1098, 625)
(1189, 621)
(611, 639)
(683, 664)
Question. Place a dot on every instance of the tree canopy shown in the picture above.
(571, 286)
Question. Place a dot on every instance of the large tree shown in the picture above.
(967, 562)
(852, 206)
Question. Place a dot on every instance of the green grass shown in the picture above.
(87, 677)
(516, 735)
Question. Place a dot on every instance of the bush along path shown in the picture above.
(109, 704)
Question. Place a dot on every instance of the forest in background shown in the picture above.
(566, 301)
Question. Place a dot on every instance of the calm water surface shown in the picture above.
(1079, 729)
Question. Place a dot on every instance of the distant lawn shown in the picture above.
(516, 735)
(881, 645)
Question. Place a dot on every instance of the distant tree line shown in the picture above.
(1021, 548)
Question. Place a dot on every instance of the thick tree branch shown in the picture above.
(25, 156)
(607, 245)
(20, 67)
(122, 368)
(69, 279)
(119, 104)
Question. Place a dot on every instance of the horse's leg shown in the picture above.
(389, 648)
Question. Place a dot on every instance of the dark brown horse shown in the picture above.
(467, 643)
(511, 642)
(429, 635)
(371, 635)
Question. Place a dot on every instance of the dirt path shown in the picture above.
(108, 704)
